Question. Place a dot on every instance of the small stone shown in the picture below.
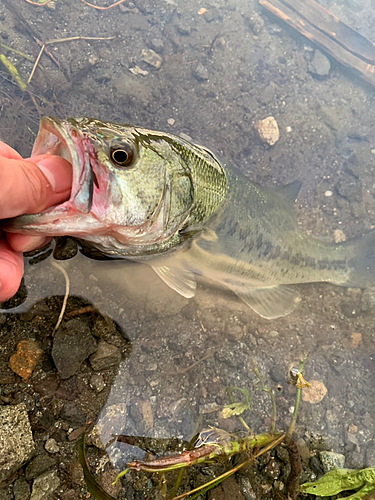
(106, 479)
(157, 44)
(150, 57)
(38, 465)
(368, 299)
(73, 343)
(25, 359)
(331, 460)
(97, 382)
(200, 72)
(16, 439)
(268, 130)
(339, 236)
(21, 489)
(303, 449)
(106, 356)
(315, 393)
(136, 70)
(44, 485)
(51, 446)
(73, 415)
(320, 64)
(171, 121)
(355, 340)
(328, 193)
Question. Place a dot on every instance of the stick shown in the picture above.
(103, 8)
(67, 287)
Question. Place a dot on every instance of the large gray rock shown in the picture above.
(16, 439)
(73, 343)
(44, 485)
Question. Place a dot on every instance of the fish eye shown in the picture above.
(122, 156)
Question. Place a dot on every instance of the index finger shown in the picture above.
(9, 152)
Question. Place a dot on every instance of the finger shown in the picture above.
(28, 188)
(11, 270)
(24, 242)
(8, 152)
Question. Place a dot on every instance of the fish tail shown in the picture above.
(362, 263)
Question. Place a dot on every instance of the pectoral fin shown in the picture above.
(179, 279)
(270, 302)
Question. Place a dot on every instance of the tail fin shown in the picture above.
(362, 264)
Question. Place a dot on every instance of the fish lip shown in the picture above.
(65, 140)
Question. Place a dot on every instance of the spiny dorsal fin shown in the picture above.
(291, 190)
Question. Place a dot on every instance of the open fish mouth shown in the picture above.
(64, 139)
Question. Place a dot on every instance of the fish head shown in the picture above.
(132, 188)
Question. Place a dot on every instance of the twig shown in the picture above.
(36, 63)
(67, 288)
(81, 310)
(72, 38)
(103, 8)
(38, 3)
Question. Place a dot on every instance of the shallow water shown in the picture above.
(221, 71)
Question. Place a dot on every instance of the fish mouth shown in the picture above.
(64, 139)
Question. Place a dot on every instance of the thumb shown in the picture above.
(30, 186)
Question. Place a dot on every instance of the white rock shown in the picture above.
(268, 130)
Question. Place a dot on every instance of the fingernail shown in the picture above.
(58, 173)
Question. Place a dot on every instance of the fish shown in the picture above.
(157, 198)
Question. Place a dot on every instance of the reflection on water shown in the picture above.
(221, 71)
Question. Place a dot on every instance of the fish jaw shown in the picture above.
(74, 216)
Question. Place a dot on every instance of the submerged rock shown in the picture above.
(44, 485)
(16, 439)
(268, 130)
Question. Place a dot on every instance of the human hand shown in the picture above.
(27, 187)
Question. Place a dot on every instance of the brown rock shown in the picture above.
(227, 489)
(315, 393)
(25, 359)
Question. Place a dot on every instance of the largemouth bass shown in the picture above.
(153, 196)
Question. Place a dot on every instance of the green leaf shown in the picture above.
(234, 409)
(337, 480)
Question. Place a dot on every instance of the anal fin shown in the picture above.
(270, 302)
(179, 279)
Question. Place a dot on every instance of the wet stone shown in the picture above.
(151, 58)
(73, 415)
(368, 299)
(47, 386)
(38, 465)
(331, 460)
(106, 479)
(320, 64)
(6, 493)
(157, 45)
(44, 485)
(268, 130)
(16, 439)
(51, 446)
(68, 389)
(97, 382)
(277, 374)
(200, 72)
(21, 489)
(26, 357)
(73, 343)
(350, 188)
(107, 355)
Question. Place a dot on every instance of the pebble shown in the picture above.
(21, 489)
(328, 193)
(315, 393)
(72, 414)
(44, 485)
(320, 64)
(268, 130)
(355, 340)
(97, 382)
(151, 58)
(107, 355)
(339, 236)
(51, 446)
(200, 72)
(16, 439)
(38, 465)
(368, 299)
(73, 343)
(26, 358)
(331, 460)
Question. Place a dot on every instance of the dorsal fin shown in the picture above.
(291, 190)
